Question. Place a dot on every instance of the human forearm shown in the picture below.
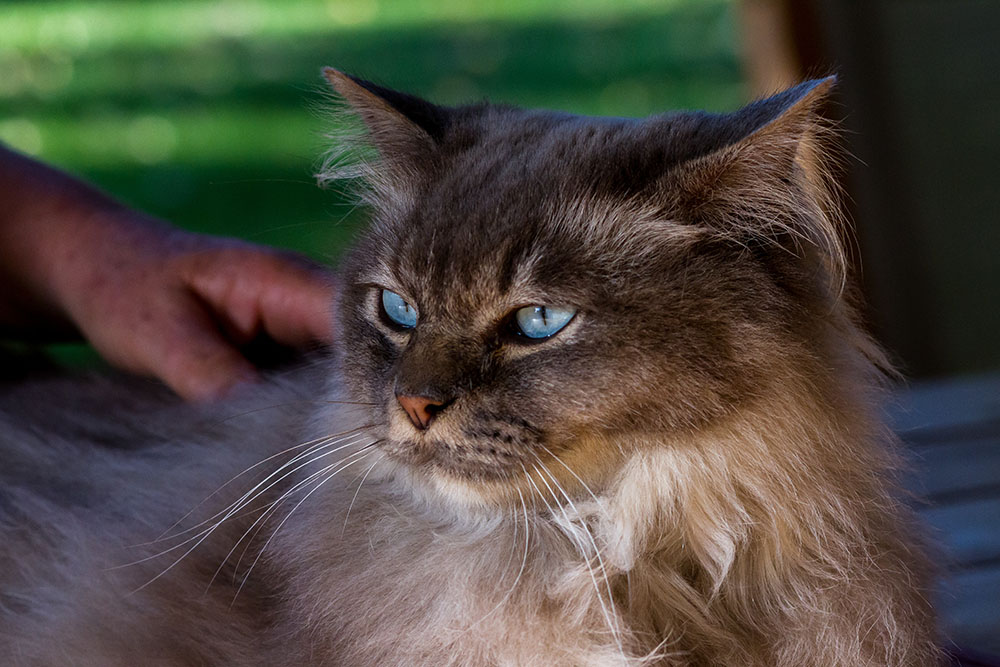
(45, 217)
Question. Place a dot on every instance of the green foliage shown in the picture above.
(209, 113)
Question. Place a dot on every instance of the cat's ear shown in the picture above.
(767, 144)
(770, 179)
(403, 128)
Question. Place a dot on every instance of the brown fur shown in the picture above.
(692, 472)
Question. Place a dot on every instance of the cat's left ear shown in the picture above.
(403, 128)
(769, 179)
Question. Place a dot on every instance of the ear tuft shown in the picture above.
(798, 104)
(405, 130)
(396, 121)
(785, 124)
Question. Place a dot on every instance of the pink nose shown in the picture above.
(420, 409)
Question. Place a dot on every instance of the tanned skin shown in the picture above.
(151, 298)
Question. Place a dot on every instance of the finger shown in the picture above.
(196, 360)
(252, 288)
(296, 307)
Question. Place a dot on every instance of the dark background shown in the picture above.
(919, 106)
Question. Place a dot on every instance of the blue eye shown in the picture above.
(542, 321)
(397, 310)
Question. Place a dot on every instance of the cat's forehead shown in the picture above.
(501, 148)
(500, 196)
(526, 202)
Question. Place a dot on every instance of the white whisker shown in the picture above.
(520, 572)
(354, 498)
(610, 618)
(231, 510)
(292, 511)
(273, 506)
(593, 495)
(312, 446)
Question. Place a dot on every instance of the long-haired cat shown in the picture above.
(600, 399)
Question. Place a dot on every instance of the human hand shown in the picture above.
(151, 298)
(160, 301)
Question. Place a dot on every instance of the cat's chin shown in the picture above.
(472, 494)
(460, 493)
(480, 474)
(439, 476)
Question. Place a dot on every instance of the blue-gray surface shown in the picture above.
(951, 430)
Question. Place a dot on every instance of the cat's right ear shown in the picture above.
(403, 128)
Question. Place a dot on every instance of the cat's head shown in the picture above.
(541, 289)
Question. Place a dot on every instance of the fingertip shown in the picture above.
(215, 384)
(321, 324)
(298, 308)
(205, 367)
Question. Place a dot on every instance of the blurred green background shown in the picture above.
(210, 113)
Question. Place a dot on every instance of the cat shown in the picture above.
(600, 398)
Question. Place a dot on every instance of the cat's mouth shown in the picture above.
(475, 461)
(478, 459)
(492, 449)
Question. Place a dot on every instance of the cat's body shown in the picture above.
(687, 468)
